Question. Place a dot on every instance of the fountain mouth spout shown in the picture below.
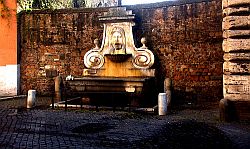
(118, 58)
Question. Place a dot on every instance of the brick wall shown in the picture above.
(186, 38)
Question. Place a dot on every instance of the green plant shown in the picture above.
(29, 5)
(25, 4)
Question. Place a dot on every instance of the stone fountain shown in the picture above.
(117, 66)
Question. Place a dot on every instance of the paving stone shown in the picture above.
(128, 129)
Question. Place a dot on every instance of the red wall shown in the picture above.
(8, 34)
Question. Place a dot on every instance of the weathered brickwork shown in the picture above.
(54, 43)
(185, 37)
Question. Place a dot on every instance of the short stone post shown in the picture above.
(223, 107)
(31, 98)
(162, 104)
(58, 89)
(167, 89)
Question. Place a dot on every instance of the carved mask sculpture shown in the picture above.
(117, 42)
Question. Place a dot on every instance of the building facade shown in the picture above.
(9, 66)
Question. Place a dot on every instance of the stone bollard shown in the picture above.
(58, 89)
(223, 108)
(162, 104)
(167, 89)
(31, 98)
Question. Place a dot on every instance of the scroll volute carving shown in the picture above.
(93, 58)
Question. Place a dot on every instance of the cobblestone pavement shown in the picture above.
(184, 128)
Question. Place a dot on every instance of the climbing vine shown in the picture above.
(5, 11)
(29, 5)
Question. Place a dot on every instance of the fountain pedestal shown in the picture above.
(117, 66)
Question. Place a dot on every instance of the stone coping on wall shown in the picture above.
(141, 6)
(68, 10)
(166, 3)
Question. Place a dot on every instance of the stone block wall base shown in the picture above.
(234, 110)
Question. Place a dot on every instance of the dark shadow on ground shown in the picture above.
(188, 135)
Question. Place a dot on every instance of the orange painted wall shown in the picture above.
(8, 36)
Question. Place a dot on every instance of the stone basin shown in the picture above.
(106, 84)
